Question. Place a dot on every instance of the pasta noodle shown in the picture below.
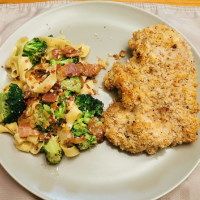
(56, 43)
(44, 86)
(88, 88)
(72, 116)
(70, 151)
(4, 129)
(14, 61)
(11, 128)
(25, 65)
(29, 144)
(84, 50)
(29, 147)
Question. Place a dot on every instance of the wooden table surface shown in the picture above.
(172, 2)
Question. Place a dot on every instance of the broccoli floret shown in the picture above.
(42, 114)
(53, 151)
(87, 116)
(66, 94)
(4, 108)
(47, 108)
(60, 112)
(35, 49)
(11, 104)
(87, 103)
(45, 130)
(72, 84)
(80, 125)
(80, 128)
(90, 140)
(75, 59)
(63, 61)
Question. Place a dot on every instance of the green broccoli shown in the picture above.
(90, 107)
(42, 114)
(86, 102)
(68, 93)
(34, 50)
(60, 112)
(87, 116)
(44, 130)
(80, 128)
(53, 151)
(64, 96)
(90, 140)
(72, 84)
(4, 108)
(75, 59)
(63, 61)
(11, 104)
(80, 125)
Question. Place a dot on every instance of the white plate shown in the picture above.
(103, 173)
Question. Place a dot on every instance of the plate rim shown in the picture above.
(69, 4)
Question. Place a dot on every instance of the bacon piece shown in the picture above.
(72, 69)
(56, 87)
(69, 142)
(90, 70)
(69, 52)
(44, 137)
(28, 94)
(49, 97)
(78, 69)
(76, 140)
(56, 53)
(96, 128)
(25, 128)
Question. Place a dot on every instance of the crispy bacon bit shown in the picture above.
(72, 69)
(90, 70)
(53, 71)
(69, 51)
(76, 140)
(120, 55)
(71, 141)
(28, 94)
(49, 97)
(54, 106)
(56, 53)
(96, 128)
(79, 69)
(44, 137)
(56, 86)
(40, 72)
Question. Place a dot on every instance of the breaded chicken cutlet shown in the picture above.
(158, 87)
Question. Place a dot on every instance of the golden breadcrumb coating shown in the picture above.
(158, 88)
